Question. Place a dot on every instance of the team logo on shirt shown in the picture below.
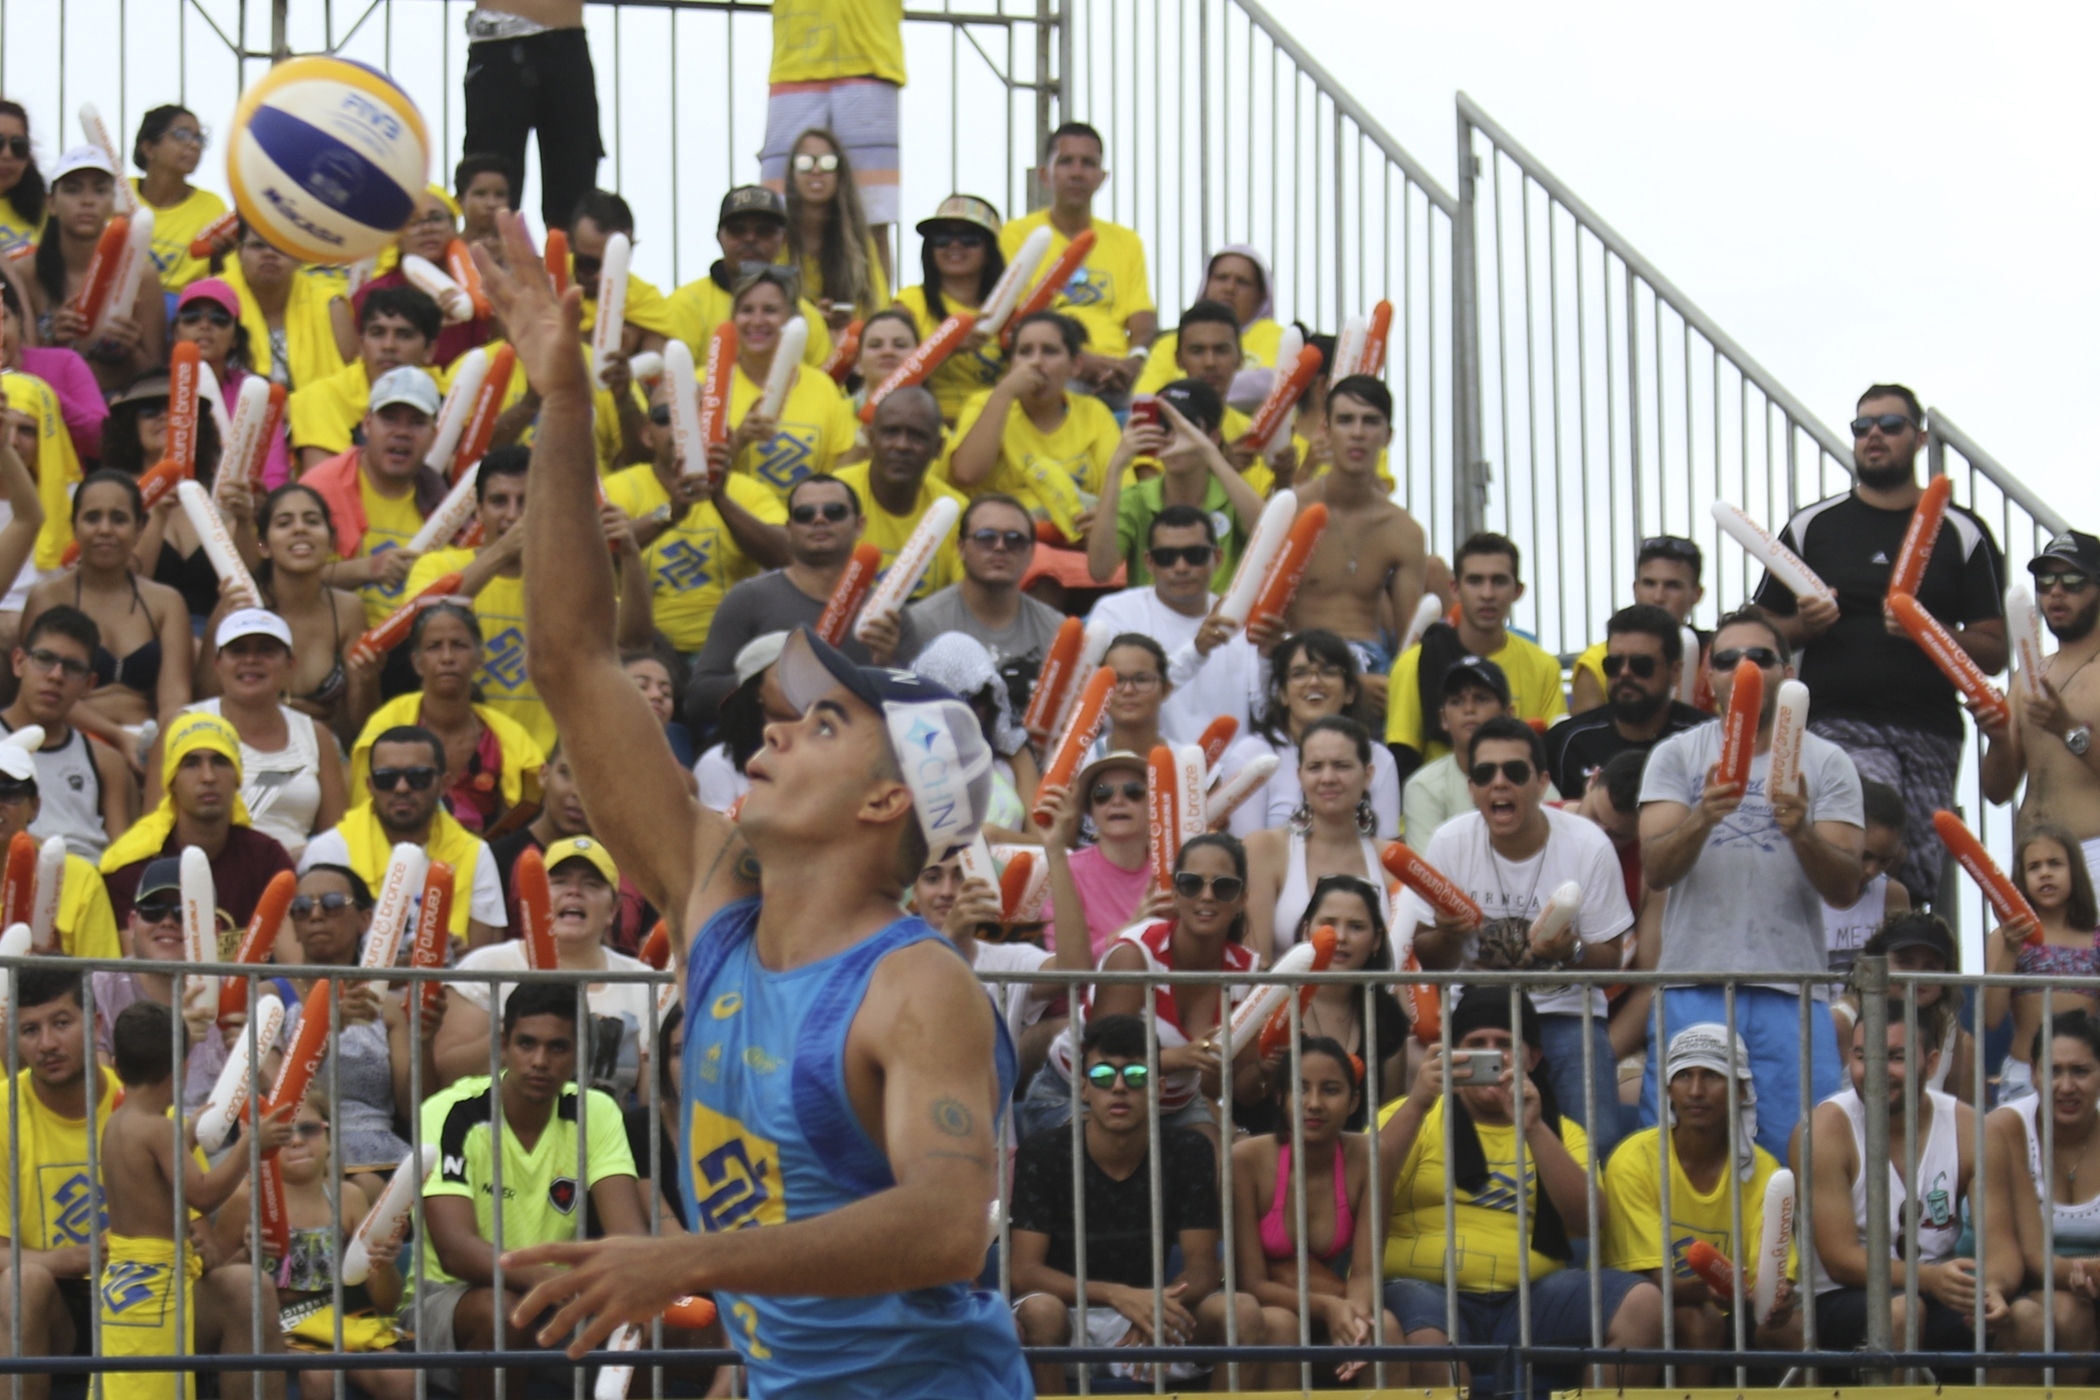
(561, 1194)
(130, 1292)
(785, 458)
(503, 658)
(736, 1174)
(727, 1005)
(73, 1204)
(1089, 287)
(379, 589)
(685, 563)
(1499, 1192)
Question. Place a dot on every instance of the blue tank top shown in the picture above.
(770, 1136)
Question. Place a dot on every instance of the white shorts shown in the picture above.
(1105, 1327)
(862, 112)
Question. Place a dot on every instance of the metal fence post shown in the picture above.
(1872, 974)
(1469, 474)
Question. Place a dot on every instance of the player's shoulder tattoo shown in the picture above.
(952, 1117)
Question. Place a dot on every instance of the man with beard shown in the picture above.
(1875, 693)
(2051, 741)
(1643, 657)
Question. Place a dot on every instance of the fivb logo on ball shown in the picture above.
(327, 158)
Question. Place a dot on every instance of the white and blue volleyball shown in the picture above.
(326, 158)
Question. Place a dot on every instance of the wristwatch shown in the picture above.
(2078, 739)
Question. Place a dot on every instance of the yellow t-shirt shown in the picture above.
(695, 309)
(693, 563)
(327, 412)
(15, 236)
(57, 464)
(1047, 471)
(390, 523)
(961, 374)
(878, 284)
(500, 606)
(309, 334)
(1633, 1222)
(1592, 661)
(889, 532)
(1534, 690)
(1487, 1240)
(817, 426)
(173, 228)
(818, 40)
(59, 1205)
(87, 925)
(1258, 342)
(1110, 287)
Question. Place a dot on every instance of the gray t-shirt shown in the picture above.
(768, 603)
(1747, 905)
(1028, 639)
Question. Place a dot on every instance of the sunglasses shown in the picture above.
(833, 511)
(1104, 1077)
(309, 1131)
(157, 911)
(1189, 885)
(16, 146)
(2069, 582)
(1889, 423)
(333, 902)
(45, 659)
(1134, 791)
(660, 415)
(1517, 770)
(1167, 556)
(1643, 666)
(806, 163)
(1727, 660)
(957, 240)
(213, 314)
(1012, 541)
(1670, 547)
(419, 779)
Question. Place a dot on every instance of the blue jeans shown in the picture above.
(1769, 1021)
(1562, 1066)
(1560, 1316)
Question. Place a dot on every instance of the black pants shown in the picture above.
(1841, 1325)
(543, 82)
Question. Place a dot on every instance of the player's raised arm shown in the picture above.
(639, 803)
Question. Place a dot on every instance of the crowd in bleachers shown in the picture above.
(157, 706)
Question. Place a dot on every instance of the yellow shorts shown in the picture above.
(136, 1298)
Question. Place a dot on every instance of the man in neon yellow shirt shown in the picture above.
(895, 485)
(1488, 590)
(751, 229)
(380, 493)
(839, 64)
(1111, 293)
(1236, 277)
(397, 326)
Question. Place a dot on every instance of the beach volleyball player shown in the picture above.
(843, 1069)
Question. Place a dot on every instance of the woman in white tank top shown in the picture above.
(291, 769)
(1329, 834)
(2013, 1140)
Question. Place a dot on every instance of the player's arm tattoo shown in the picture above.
(953, 1118)
(746, 867)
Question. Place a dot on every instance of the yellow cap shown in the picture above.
(583, 848)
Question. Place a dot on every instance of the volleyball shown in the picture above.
(326, 158)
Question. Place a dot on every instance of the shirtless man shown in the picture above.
(1371, 565)
(883, 1215)
(2051, 741)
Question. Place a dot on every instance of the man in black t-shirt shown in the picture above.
(1119, 1241)
(1872, 691)
(1643, 659)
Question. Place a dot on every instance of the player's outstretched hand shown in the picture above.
(622, 1278)
(543, 325)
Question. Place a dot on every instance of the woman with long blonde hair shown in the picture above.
(827, 232)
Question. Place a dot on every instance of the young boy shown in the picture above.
(137, 1297)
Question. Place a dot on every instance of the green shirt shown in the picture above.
(540, 1196)
(1135, 509)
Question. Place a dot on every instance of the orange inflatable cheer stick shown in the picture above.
(399, 623)
(920, 364)
(714, 388)
(216, 236)
(1053, 282)
(844, 355)
(1013, 885)
(185, 362)
(1217, 737)
(1445, 897)
(1282, 579)
(691, 1313)
(1714, 1268)
(256, 942)
(1277, 1033)
(275, 1212)
(1054, 681)
(1919, 539)
(96, 287)
(2004, 897)
(558, 259)
(536, 911)
(1274, 415)
(656, 948)
(18, 886)
(1746, 708)
(1162, 819)
(849, 593)
(1087, 715)
(296, 1075)
(481, 419)
(1372, 361)
(468, 276)
(433, 928)
(1946, 653)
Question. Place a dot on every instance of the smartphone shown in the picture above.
(1482, 1067)
(1144, 408)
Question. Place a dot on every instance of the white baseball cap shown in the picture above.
(85, 157)
(253, 622)
(409, 385)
